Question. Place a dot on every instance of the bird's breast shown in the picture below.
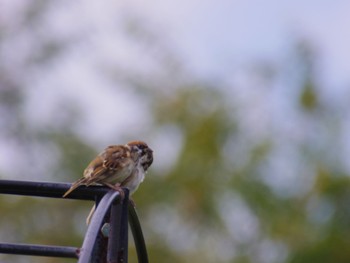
(135, 179)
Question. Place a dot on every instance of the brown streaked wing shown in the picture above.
(108, 165)
(114, 155)
(96, 175)
(94, 166)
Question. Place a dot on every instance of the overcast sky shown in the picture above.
(213, 35)
(214, 39)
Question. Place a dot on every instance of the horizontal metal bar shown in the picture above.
(55, 190)
(39, 250)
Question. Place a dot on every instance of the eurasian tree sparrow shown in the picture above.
(118, 166)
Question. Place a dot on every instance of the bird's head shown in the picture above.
(144, 153)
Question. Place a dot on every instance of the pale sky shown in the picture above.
(214, 35)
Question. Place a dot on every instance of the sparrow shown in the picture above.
(116, 167)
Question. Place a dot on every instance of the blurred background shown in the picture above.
(245, 104)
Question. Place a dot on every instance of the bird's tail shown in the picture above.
(74, 186)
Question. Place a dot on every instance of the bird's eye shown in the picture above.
(138, 149)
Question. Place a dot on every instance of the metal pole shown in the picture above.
(118, 235)
(123, 254)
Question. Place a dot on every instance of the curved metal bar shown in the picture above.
(94, 228)
(138, 235)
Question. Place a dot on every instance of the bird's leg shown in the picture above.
(117, 187)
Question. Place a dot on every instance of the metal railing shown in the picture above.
(106, 239)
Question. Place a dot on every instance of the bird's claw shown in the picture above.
(117, 188)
